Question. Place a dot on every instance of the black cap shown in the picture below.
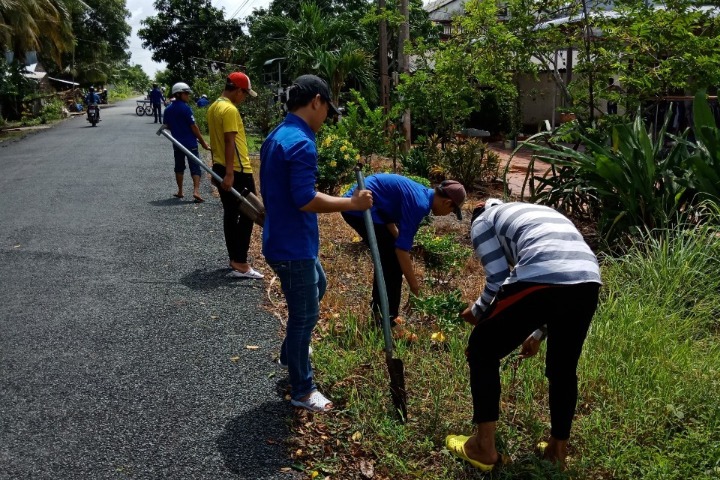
(311, 85)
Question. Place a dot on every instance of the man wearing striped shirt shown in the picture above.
(542, 280)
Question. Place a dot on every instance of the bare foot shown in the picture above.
(556, 451)
(178, 195)
(477, 453)
(197, 198)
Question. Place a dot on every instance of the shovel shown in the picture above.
(396, 369)
(250, 204)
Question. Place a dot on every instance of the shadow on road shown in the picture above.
(253, 443)
(168, 202)
(212, 279)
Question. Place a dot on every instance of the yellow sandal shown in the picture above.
(456, 445)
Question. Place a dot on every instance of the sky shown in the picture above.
(140, 9)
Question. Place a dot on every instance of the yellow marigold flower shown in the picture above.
(346, 157)
(357, 157)
(343, 148)
(333, 163)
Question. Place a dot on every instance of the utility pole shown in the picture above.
(404, 65)
(384, 80)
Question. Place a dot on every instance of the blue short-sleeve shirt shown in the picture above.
(398, 200)
(179, 117)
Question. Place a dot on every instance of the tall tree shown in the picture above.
(192, 37)
(28, 25)
(102, 33)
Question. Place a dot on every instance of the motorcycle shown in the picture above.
(93, 115)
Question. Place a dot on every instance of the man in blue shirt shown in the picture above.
(181, 122)
(156, 100)
(399, 205)
(203, 101)
(288, 173)
(92, 98)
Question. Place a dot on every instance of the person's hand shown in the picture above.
(227, 182)
(412, 299)
(206, 146)
(468, 316)
(529, 347)
(361, 200)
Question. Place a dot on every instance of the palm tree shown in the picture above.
(43, 25)
(316, 42)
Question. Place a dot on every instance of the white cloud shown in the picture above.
(141, 9)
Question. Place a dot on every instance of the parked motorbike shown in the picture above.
(93, 115)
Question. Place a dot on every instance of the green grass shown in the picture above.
(649, 404)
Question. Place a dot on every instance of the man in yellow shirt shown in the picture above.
(232, 162)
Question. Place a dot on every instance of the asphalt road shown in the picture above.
(122, 342)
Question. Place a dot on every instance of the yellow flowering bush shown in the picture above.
(336, 159)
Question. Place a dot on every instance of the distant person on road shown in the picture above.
(231, 161)
(399, 205)
(203, 101)
(542, 280)
(181, 122)
(92, 98)
(156, 100)
(288, 174)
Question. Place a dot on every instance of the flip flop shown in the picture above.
(178, 196)
(198, 199)
(456, 445)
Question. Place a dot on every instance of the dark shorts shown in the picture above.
(180, 161)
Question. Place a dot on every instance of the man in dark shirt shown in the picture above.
(156, 99)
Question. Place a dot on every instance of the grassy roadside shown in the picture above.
(650, 381)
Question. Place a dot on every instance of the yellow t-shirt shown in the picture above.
(223, 117)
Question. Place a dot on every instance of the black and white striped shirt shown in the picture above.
(523, 242)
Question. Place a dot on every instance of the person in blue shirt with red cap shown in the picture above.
(399, 205)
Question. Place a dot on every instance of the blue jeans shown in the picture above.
(303, 283)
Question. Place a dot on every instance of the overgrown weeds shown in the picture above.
(650, 381)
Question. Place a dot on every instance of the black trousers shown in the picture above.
(518, 310)
(388, 259)
(238, 228)
(156, 107)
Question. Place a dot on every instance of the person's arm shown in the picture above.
(496, 266)
(393, 229)
(199, 136)
(408, 271)
(322, 203)
(229, 178)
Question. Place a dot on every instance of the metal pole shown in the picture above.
(163, 131)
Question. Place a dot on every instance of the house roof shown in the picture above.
(433, 5)
(444, 10)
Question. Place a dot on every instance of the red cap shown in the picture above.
(241, 80)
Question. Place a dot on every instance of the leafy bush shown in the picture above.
(200, 115)
(262, 113)
(631, 183)
(443, 308)
(121, 91)
(470, 161)
(704, 163)
(336, 158)
(416, 162)
(370, 128)
(52, 110)
(441, 252)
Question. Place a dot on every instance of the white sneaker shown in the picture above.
(252, 273)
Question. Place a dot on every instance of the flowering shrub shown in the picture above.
(336, 158)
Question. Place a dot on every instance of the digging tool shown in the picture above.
(396, 369)
(250, 204)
